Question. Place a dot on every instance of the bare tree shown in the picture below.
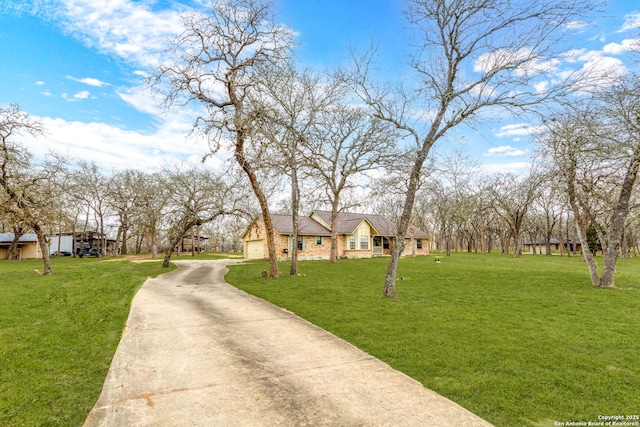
(512, 198)
(471, 56)
(195, 198)
(548, 210)
(126, 192)
(346, 145)
(449, 195)
(290, 102)
(213, 63)
(596, 146)
(89, 186)
(26, 187)
(149, 212)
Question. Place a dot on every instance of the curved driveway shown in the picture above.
(198, 352)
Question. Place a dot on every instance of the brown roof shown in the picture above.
(283, 224)
(347, 223)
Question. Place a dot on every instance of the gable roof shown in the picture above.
(348, 222)
(283, 224)
(318, 224)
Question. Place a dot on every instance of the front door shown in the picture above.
(378, 243)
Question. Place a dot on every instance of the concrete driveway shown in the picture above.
(199, 352)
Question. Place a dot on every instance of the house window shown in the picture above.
(319, 240)
(364, 242)
(352, 242)
(300, 243)
(418, 243)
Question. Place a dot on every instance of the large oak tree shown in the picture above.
(470, 57)
(214, 63)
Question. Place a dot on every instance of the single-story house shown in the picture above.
(540, 246)
(359, 236)
(28, 247)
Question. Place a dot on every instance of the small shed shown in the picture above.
(28, 247)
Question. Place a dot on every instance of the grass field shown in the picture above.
(518, 341)
(58, 335)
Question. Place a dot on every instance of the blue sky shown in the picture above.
(77, 66)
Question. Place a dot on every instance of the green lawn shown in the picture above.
(518, 341)
(58, 335)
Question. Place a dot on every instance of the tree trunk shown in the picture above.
(561, 237)
(547, 237)
(295, 202)
(618, 221)
(601, 238)
(167, 257)
(74, 238)
(193, 243)
(103, 238)
(333, 254)
(124, 250)
(389, 289)
(44, 248)
(262, 200)
(581, 229)
(59, 240)
(118, 239)
(625, 250)
(173, 244)
(517, 252)
(12, 250)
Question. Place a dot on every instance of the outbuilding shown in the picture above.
(28, 247)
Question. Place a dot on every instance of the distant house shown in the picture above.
(540, 246)
(28, 247)
(193, 243)
(359, 236)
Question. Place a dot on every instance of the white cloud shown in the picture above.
(141, 100)
(82, 95)
(513, 167)
(516, 129)
(631, 22)
(627, 45)
(115, 148)
(88, 81)
(128, 29)
(505, 151)
(577, 26)
(541, 87)
(39, 83)
(594, 68)
(529, 64)
(573, 55)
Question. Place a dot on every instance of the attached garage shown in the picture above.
(254, 249)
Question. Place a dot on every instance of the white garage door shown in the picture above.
(255, 249)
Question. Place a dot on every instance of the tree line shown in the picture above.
(328, 136)
(146, 212)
